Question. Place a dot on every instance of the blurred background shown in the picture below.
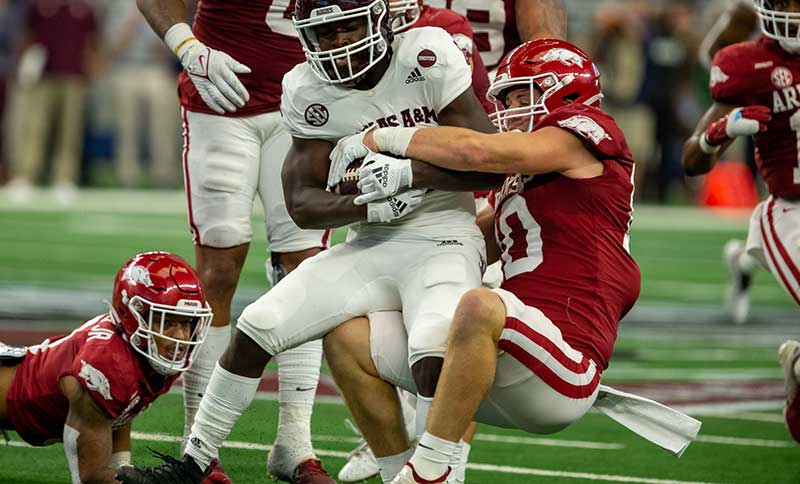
(90, 173)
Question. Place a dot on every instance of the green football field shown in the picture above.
(678, 348)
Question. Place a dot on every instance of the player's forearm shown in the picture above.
(438, 178)
(694, 160)
(163, 14)
(315, 208)
(538, 19)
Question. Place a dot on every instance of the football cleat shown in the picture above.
(172, 471)
(409, 476)
(311, 472)
(361, 463)
(216, 474)
(737, 293)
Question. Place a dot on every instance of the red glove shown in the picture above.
(745, 121)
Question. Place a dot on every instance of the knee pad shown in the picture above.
(223, 236)
(428, 337)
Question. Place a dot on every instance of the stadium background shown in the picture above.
(59, 249)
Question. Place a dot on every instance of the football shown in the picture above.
(349, 183)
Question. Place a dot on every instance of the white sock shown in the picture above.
(227, 397)
(392, 465)
(747, 263)
(195, 380)
(423, 407)
(294, 433)
(432, 456)
(408, 403)
(298, 373)
(459, 462)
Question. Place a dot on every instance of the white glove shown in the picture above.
(394, 207)
(346, 150)
(382, 176)
(213, 72)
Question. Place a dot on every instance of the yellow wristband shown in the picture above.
(178, 48)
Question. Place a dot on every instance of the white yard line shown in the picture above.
(473, 466)
(719, 439)
(750, 416)
(577, 444)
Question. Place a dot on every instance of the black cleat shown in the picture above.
(172, 471)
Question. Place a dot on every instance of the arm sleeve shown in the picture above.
(725, 80)
(103, 374)
(451, 72)
(598, 131)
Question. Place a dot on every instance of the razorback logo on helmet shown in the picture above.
(138, 274)
(717, 76)
(586, 127)
(566, 57)
(95, 380)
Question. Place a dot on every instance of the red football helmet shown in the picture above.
(326, 64)
(405, 13)
(555, 71)
(148, 288)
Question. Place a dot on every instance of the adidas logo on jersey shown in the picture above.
(415, 76)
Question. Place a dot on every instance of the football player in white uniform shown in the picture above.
(357, 74)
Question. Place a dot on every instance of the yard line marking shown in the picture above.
(578, 444)
(719, 439)
(747, 416)
(627, 371)
(473, 466)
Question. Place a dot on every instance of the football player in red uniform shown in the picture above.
(235, 55)
(501, 25)
(755, 94)
(534, 349)
(86, 387)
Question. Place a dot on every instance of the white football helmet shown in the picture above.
(405, 13)
(781, 25)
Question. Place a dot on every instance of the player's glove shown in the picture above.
(744, 121)
(346, 150)
(394, 207)
(382, 176)
(213, 72)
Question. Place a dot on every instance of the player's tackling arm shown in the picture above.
(305, 173)
(547, 150)
(87, 436)
(466, 112)
(539, 19)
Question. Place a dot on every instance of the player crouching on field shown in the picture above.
(85, 388)
(528, 355)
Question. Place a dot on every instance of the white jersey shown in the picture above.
(427, 72)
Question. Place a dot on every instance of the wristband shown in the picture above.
(393, 140)
(119, 459)
(706, 147)
(178, 38)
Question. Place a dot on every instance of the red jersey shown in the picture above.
(260, 35)
(564, 241)
(494, 23)
(458, 26)
(760, 72)
(105, 365)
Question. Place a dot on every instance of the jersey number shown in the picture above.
(794, 122)
(279, 17)
(520, 253)
(488, 19)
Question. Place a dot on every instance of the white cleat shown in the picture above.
(361, 463)
(408, 476)
(788, 355)
(737, 292)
